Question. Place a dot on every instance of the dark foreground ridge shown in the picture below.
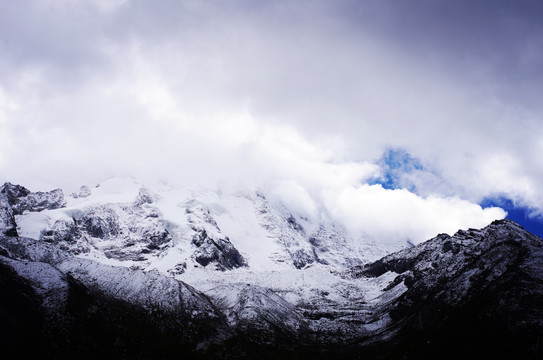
(475, 295)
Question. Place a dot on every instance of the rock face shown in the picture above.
(7, 220)
(14, 192)
(21, 199)
(476, 294)
(212, 246)
(470, 295)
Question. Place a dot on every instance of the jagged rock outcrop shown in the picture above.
(219, 251)
(7, 220)
(14, 192)
(21, 199)
(67, 235)
(212, 246)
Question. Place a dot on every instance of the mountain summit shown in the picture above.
(121, 271)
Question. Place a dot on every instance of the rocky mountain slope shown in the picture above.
(121, 271)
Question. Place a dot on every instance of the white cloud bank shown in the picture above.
(302, 96)
(396, 215)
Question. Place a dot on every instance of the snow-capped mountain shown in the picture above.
(122, 270)
(176, 231)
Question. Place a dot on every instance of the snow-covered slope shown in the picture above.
(237, 275)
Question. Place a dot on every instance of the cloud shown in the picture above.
(395, 215)
(303, 96)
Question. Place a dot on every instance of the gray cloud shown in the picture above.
(198, 91)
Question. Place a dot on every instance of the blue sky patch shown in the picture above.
(394, 164)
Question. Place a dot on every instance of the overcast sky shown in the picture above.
(305, 98)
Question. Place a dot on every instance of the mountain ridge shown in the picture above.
(478, 289)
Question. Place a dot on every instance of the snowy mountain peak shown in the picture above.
(178, 230)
